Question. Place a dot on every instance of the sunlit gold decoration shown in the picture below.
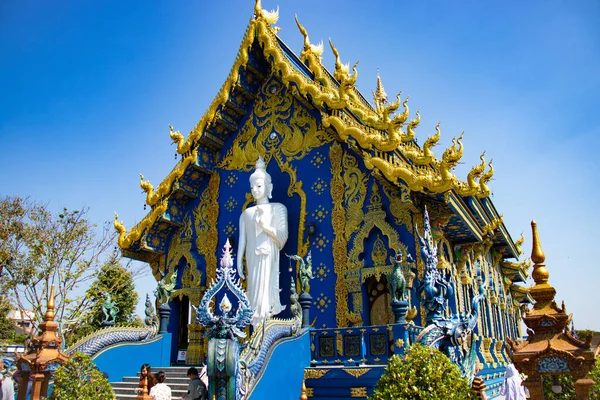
(126, 239)
(358, 392)
(379, 255)
(355, 191)
(313, 373)
(338, 343)
(270, 17)
(401, 205)
(399, 343)
(519, 243)
(195, 353)
(152, 196)
(375, 217)
(356, 372)
(338, 221)
(411, 314)
(212, 236)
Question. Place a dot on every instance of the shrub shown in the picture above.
(423, 374)
(79, 379)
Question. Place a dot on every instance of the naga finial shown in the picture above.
(317, 50)
(485, 178)
(410, 133)
(270, 17)
(519, 243)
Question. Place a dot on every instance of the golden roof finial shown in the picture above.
(380, 91)
(50, 311)
(537, 254)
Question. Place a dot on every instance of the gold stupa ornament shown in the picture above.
(550, 348)
(43, 356)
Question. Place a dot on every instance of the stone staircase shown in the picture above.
(177, 380)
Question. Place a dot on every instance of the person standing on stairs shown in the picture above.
(196, 388)
(160, 391)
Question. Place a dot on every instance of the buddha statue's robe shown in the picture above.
(261, 248)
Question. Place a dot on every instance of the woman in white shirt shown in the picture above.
(160, 391)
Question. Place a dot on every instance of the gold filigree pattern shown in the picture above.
(315, 373)
(401, 205)
(317, 160)
(231, 204)
(320, 213)
(212, 237)
(358, 392)
(230, 229)
(322, 302)
(231, 179)
(319, 186)
(321, 242)
(355, 191)
(322, 272)
(340, 243)
(356, 372)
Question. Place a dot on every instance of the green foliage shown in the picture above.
(39, 248)
(568, 390)
(595, 375)
(117, 280)
(79, 379)
(423, 374)
(6, 326)
(568, 387)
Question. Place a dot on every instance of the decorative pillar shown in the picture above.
(400, 308)
(582, 388)
(195, 350)
(535, 387)
(305, 301)
(164, 311)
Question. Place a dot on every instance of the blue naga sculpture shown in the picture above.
(449, 335)
(223, 330)
(435, 289)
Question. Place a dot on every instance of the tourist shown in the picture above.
(263, 233)
(8, 387)
(196, 388)
(512, 389)
(478, 384)
(160, 391)
(145, 372)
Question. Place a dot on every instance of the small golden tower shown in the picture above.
(550, 349)
(43, 356)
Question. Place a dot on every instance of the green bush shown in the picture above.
(595, 375)
(79, 379)
(423, 374)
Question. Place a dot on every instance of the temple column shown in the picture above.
(195, 350)
(582, 388)
(535, 387)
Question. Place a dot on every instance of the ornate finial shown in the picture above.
(537, 254)
(50, 311)
(270, 17)
(540, 274)
(380, 96)
(303, 395)
(260, 164)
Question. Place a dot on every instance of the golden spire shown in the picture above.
(542, 292)
(540, 273)
(380, 95)
(50, 311)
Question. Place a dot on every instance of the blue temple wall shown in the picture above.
(124, 359)
(286, 367)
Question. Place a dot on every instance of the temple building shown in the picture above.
(356, 186)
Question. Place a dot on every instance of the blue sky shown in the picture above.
(89, 88)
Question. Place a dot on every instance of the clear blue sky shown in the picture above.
(88, 90)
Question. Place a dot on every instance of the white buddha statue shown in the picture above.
(263, 233)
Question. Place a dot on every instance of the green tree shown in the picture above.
(116, 280)
(79, 379)
(6, 326)
(422, 374)
(39, 248)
